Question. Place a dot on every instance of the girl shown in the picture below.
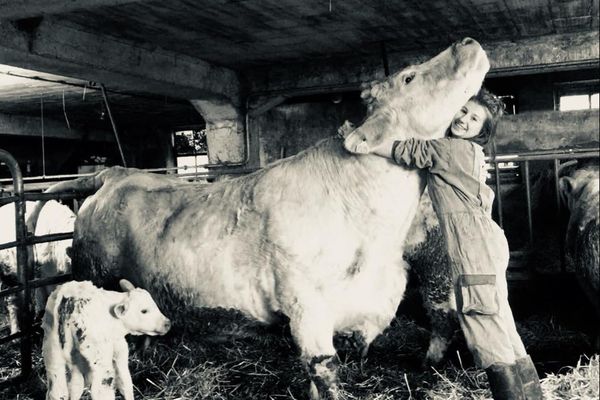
(477, 248)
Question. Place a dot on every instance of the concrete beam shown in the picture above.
(17, 9)
(531, 55)
(47, 45)
(548, 130)
(31, 126)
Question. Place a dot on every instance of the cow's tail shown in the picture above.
(84, 186)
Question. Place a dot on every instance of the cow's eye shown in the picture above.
(144, 311)
(408, 78)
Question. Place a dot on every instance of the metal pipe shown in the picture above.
(114, 126)
(561, 237)
(8, 200)
(24, 267)
(528, 200)
(498, 194)
(384, 59)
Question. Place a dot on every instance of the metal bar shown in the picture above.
(35, 283)
(10, 290)
(561, 246)
(548, 155)
(11, 337)
(24, 267)
(384, 59)
(528, 200)
(7, 200)
(114, 125)
(8, 245)
(52, 196)
(51, 280)
(498, 194)
(51, 237)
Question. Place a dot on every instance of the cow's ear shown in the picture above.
(126, 285)
(120, 309)
(566, 185)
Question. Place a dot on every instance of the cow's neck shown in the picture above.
(362, 183)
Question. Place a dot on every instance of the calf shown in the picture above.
(84, 338)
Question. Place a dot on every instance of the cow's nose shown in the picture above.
(467, 41)
(167, 325)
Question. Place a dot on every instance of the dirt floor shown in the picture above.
(225, 357)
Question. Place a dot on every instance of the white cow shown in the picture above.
(50, 258)
(316, 236)
(84, 338)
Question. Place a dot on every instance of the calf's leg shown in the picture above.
(101, 373)
(56, 371)
(122, 375)
(76, 384)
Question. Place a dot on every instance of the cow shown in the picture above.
(581, 192)
(316, 236)
(50, 258)
(84, 338)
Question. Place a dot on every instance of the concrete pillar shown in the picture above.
(225, 131)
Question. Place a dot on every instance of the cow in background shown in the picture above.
(581, 193)
(50, 258)
(314, 236)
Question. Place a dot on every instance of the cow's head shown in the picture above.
(139, 313)
(420, 100)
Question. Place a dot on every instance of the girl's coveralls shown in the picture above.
(477, 248)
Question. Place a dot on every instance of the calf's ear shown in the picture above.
(120, 309)
(126, 285)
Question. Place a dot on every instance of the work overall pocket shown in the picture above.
(478, 294)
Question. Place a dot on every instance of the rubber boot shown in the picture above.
(531, 381)
(505, 382)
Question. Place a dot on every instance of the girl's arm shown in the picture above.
(415, 152)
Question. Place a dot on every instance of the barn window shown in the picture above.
(581, 95)
(191, 150)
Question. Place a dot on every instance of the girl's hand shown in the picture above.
(384, 149)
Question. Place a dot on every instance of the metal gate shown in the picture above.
(26, 282)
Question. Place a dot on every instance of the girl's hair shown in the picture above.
(494, 105)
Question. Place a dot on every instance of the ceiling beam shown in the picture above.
(20, 125)
(525, 56)
(49, 45)
(17, 9)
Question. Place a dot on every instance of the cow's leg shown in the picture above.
(444, 324)
(312, 328)
(122, 375)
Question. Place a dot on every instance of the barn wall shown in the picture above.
(291, 127)
(536, 92)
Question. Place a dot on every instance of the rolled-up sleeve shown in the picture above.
(420, 153)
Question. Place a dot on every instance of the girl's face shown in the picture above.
(467, 123)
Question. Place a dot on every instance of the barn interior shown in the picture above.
(233, 85)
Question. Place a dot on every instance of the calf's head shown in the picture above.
(420, 100)
(139, 313)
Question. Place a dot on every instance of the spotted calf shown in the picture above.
(84, 338)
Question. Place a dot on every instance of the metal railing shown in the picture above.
(23, 242)
(525, 159)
